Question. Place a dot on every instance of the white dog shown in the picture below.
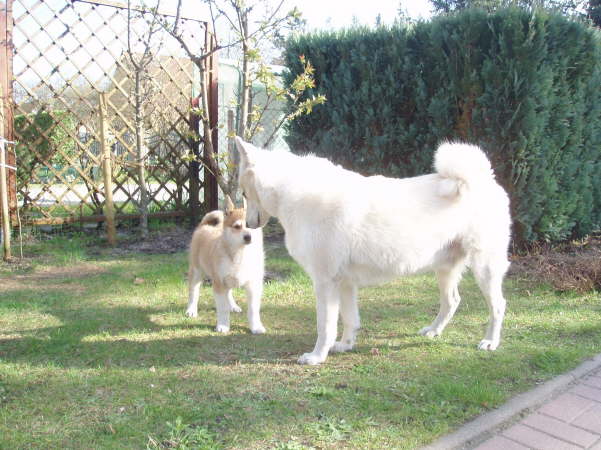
(231, 255)
(347, 230)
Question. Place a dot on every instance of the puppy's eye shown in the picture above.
(238, 226)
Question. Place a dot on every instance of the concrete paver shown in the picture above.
(567, 407)
(536, 439)
(560, 430)
(590, 420)
(593, 381)
(500, 443)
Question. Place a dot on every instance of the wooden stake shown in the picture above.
(4, 185)
(4, 201)
(109, 207)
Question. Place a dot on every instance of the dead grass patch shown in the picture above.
(571, 266)
(44, 277)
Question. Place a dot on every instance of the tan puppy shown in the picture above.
(231, 255)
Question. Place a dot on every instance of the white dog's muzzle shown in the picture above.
(254, 220)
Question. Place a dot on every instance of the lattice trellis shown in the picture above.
(65, 54)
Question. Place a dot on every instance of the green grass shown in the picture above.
(95, 352)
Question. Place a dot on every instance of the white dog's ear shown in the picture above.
(229, 205)
(244, 148)
(244, 203)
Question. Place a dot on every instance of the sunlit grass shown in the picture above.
(95, 352)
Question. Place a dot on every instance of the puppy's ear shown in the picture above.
(229, 205)
(245, 151)
(244, 203)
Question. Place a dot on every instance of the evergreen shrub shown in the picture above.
(524, 85)
(44, 139)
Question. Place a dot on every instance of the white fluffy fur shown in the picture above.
(347, 230)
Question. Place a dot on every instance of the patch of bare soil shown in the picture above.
(570, 266)
(177, 239)
(173, 240)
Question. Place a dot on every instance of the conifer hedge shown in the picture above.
(525, 86)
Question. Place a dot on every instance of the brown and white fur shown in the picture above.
(231, 255)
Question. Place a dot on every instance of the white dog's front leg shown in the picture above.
(253, 296)
(328, 303)
(222, 305)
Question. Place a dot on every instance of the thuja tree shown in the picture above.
(523, 84)
(44, 139)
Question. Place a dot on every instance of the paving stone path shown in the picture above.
(562, 414)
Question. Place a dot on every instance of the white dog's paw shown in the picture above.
(340, 347)
(222, 328)
(311, 359)
(235, 308)
(429, 332)
(257, 329)
(487, 344)
(191, 312)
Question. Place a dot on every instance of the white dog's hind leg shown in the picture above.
(328, 303)
(254, 291)
(448, 279)
(489, 275)
(349, 313)
(232, 302)
(222, 305)
(194, 280)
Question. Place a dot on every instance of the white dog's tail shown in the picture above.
(213, 218)
(462, 166)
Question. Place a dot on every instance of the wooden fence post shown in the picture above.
(6, 107)
(109, 207)
(4, 199)
(4, 210)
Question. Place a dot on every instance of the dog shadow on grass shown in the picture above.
(126, 336)
(78, 334)
(71, 328)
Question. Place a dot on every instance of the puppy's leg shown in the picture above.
(327, 295)
(349, 312)
(222, 305)
(489, 274)
(233, 305)
(254, 291)
(448, 279)
(194, 280)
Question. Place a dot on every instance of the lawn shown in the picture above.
(96, 352)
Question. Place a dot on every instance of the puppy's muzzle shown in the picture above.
(247, 238)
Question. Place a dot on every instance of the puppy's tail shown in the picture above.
(213, 218)
(461, 167)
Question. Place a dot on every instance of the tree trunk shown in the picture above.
(141, 156)
(245, 95)
(209, 156)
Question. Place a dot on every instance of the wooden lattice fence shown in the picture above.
(65, 54)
